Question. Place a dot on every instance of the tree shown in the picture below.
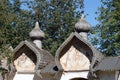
(15, 24)
(109, 27)
(57, 19)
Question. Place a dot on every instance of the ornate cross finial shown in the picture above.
(82, 6)
(37, 14)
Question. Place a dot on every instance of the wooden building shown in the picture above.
(75, 59)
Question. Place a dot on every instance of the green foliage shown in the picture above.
(6, 53)
(14, 26)
(109, 27)
(57, 19)
(11, 23)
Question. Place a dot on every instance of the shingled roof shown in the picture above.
(109, 63)
(50, 68)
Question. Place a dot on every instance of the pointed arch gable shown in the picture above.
(75, 40)
(26, 44)
(25, 58)
(26, 47)
(42, 57)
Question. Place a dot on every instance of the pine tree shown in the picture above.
(57, 19)
(109, 27)
(15, 23)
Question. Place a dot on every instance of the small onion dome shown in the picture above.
(82, 25)
(37, 33)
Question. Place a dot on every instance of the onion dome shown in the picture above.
(82, 25)
(37, 33)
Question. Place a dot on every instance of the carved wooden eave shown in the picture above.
(91, 53)
(24, 46)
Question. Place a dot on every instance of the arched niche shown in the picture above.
(25, 60)
(78, 79)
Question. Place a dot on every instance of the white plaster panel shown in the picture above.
(24, 64)
(23, 77)
(74, 60)
(70, 75)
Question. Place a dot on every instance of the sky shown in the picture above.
(91, 6)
